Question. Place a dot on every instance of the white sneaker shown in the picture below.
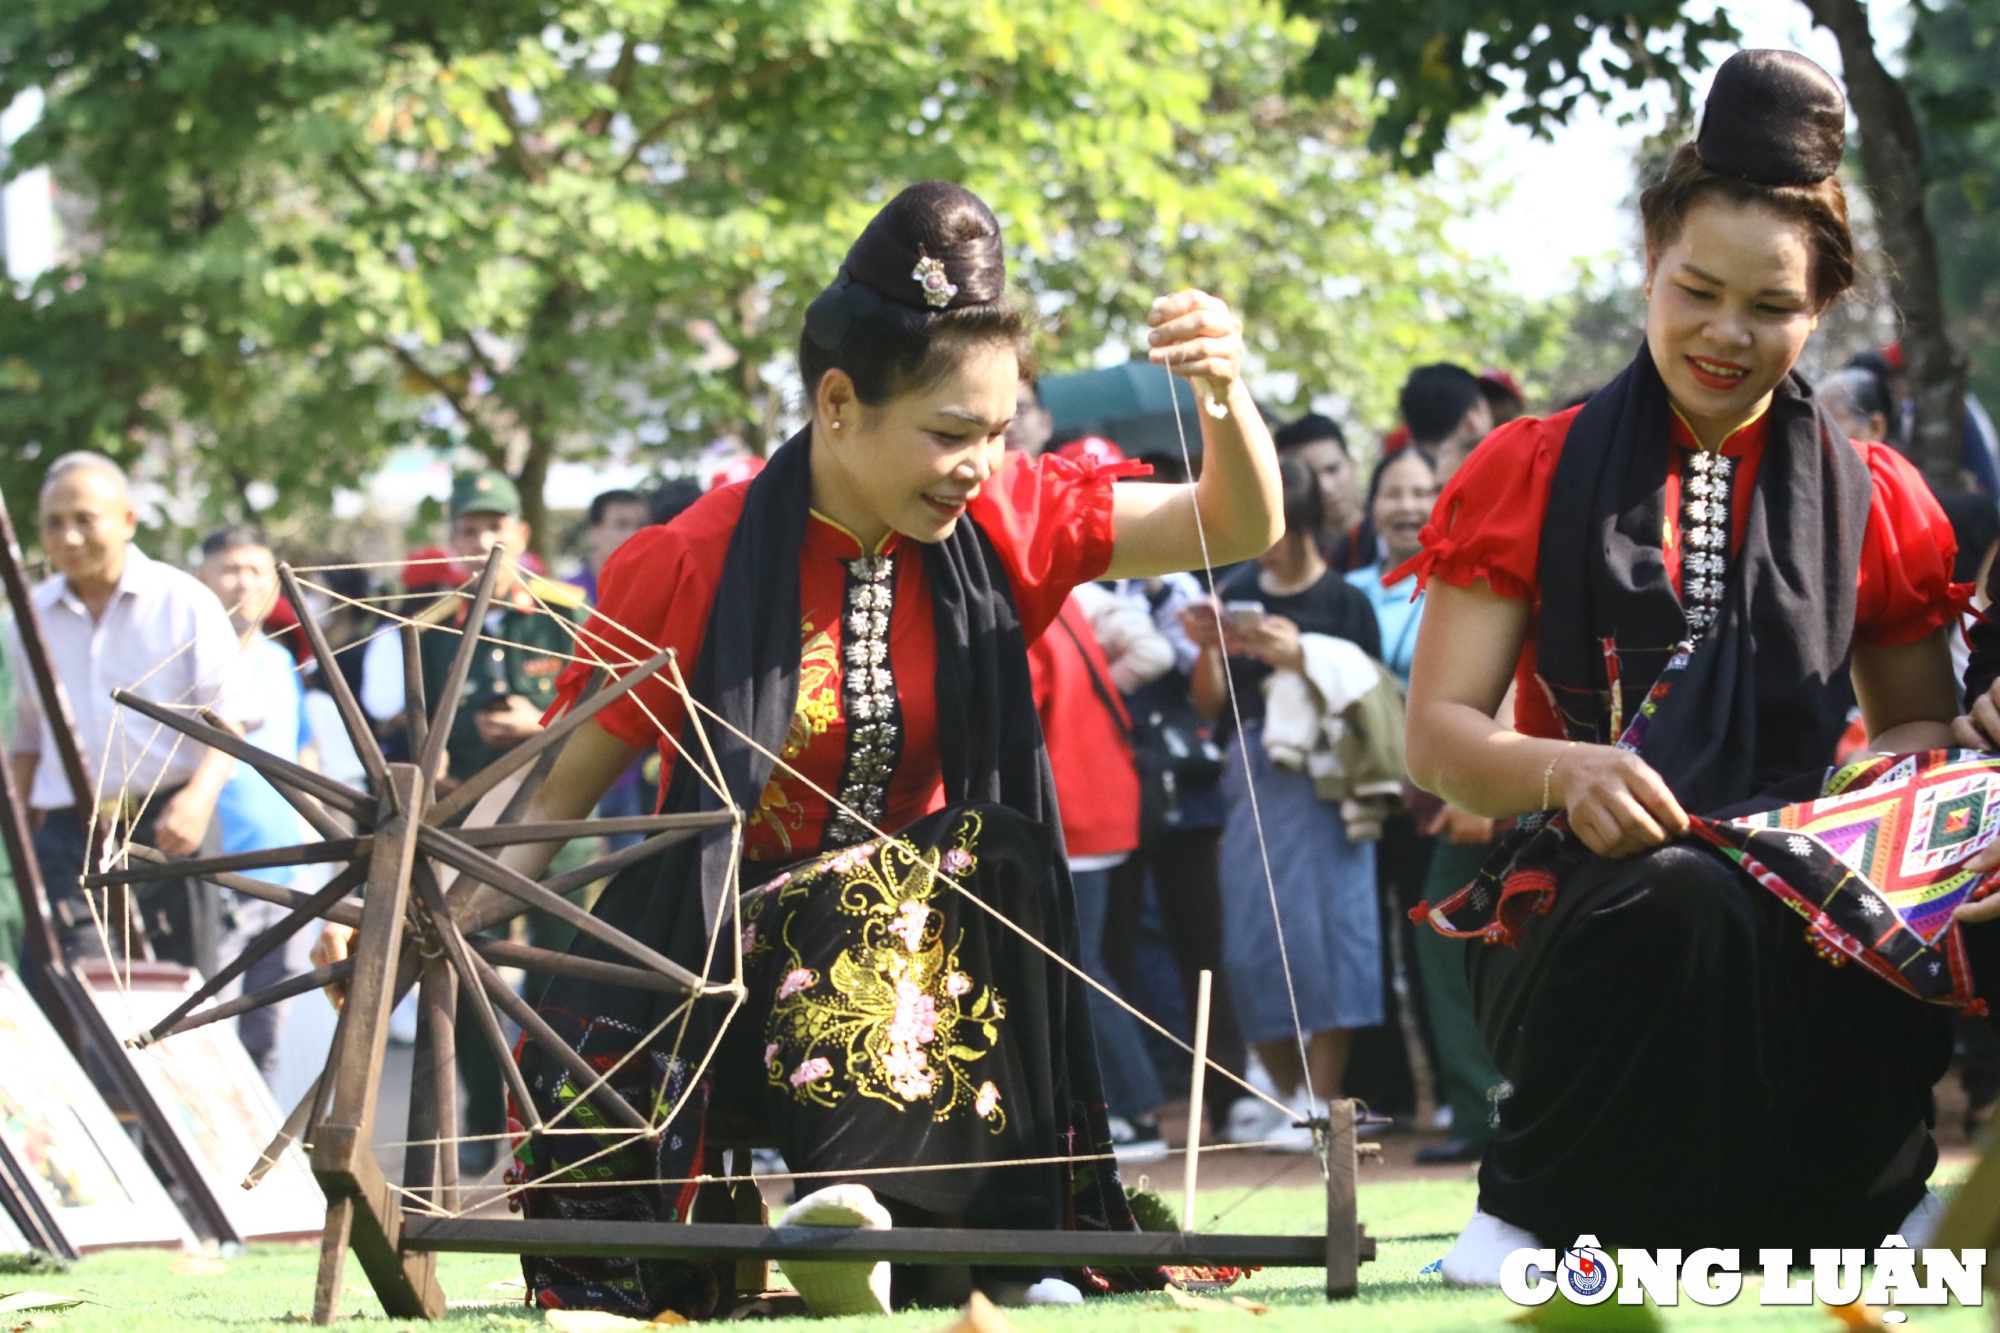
(1254, 1121)
(1922, 1223)
(1474, 1259)
(1137, 1141)
(1053, 1291)
(831, 1286)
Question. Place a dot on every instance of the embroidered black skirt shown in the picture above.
(893, 1023)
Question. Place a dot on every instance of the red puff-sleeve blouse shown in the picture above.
(866, 633)
(1487, 524)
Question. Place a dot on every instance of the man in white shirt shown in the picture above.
(114, 619)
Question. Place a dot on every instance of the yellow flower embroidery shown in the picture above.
(895, 1011)
(817, 709)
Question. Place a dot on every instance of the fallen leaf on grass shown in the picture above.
(18, 1302)
(980, 1316)
(598, 1321)
(1210, 1305)
(1857, 1316)
(199, 1265)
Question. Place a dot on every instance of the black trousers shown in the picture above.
(1187, 876)
(182, 918)
(1688, 1072)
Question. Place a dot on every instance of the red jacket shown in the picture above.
(1089, 742)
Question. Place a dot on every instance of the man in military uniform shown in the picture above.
(512, 681)
(510, 685)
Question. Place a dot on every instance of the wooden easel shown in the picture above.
(54, 983)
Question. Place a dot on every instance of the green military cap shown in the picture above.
(484, 492)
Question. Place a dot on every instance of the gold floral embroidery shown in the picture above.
(818, 708)
(895, 1012)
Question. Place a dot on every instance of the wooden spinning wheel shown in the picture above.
(395, 845)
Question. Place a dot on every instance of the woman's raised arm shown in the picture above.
(1240, 502)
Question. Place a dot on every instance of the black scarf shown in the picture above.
(1762, 698)
(989, 740)
(989, 734)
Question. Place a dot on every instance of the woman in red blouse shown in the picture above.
(857, 619)
(1681, 578)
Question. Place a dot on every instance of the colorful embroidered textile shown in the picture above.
(1877, 864)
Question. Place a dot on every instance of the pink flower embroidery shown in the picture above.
(796, 980)
(770, 1052)
(750, 937)
(909, 924)
(812, 1071)
(957, 861)
(989, 1097)
(957, 984)
(913, 1027)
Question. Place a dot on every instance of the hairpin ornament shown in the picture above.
(938, 286)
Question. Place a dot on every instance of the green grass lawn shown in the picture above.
(269, 1286)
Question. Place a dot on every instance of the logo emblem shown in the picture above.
(1587, 1275)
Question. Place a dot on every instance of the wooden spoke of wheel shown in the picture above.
(351, 716)
(471, 861)
(201, 867)
(347, 912)
(502, 835)
(280, 772)
(416, 720)
(257, 949)
(506, 953)
(548, 738)
(525, 789)
(589, 1078)
(302, 983)
(445, 706)
(432, 897)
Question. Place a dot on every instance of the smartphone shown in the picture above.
(1243, 615)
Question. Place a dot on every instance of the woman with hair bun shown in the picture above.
(862, 609)
(1685, 1070)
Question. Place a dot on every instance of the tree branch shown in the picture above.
(459, 401)
(1892, 156)
(761, 77)
(618, 81)
(531, 165)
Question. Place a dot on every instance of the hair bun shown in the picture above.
(1773, 117)
(935, 246)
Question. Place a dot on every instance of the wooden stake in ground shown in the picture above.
(1195, 1085)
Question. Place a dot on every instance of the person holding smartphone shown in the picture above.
(1325, 884)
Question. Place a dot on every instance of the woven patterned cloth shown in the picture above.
(1877, 863)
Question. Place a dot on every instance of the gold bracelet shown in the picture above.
(1550, 772)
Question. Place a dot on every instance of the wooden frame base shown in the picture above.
(903, 1245)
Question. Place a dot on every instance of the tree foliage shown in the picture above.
(1434, 60)
(1953, 74)
(534, 229)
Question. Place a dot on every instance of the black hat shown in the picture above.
(1773, 117)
